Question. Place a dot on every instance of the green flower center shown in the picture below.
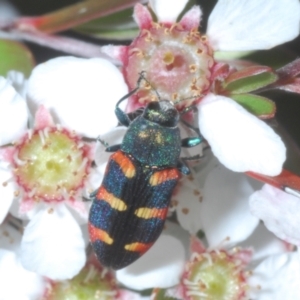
(216, 276)
(88, 284)
(51, 164)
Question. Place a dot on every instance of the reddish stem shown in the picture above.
(72, 15)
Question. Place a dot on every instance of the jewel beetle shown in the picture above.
(130, 207)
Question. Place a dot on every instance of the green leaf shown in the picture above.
(260, 106)
(117, 26)
(229, 55)
(249, 79)
(117, 21)
(74, 15)
(121, 35)
(15, 56)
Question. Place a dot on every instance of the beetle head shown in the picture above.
(162, 112)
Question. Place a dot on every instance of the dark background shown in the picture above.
(288, 105)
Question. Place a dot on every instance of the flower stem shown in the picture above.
(60, 43)
(72, 15)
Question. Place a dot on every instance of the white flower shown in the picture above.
(228, 225)
(27, 173)
(166, 52)
(81, 94)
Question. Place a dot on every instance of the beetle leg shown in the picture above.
(92, 196)
(191, 141)
(182, 163)
(183, 167)
(113, 148)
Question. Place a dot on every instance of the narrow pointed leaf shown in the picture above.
(260, 106)
(73, 15)
(249, 79)
(117, 21)
(15, 56)
(117, 26)
(228, 55)
(117, 35)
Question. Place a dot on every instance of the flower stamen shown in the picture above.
(215, 276)
(51, 164)
(171, 66)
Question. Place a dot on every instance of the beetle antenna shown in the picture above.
(103, 142)
(187, 98)
(138, 86)
(142, 76)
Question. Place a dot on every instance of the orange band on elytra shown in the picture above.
(148, 213)
(163, 175)
(112, 200)
(125, 164)
(99, 234)
(138, 247)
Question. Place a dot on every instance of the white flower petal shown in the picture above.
(188, 200)
(160, 267)
(264, 243)
(16, 282)
(10, 235)
(93, 182)
(278, 278)
(240, 140)
(207, 164)
(18, 81)
(111, 138)
(279, 211)
(225, 210)
(13, 113)
(79, 209)
(236, 25)
(80, 93)
(7, 189)
(53, 245)
(167, 10)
